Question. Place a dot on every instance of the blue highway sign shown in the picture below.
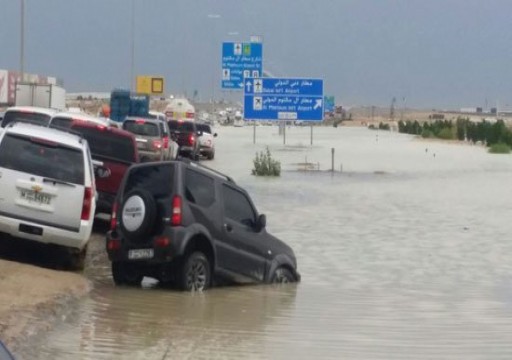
(283, 99)
(239, 61)
(329, 104)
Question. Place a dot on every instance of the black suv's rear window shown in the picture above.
(104, 143)
(155, 178)
(26, 117)
(141, 128)
(42, 158)
(181, 126)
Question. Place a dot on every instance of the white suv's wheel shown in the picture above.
(138, 213)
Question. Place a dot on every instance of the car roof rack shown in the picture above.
(206, 168)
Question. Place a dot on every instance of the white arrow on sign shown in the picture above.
(318, 104)
(241, 84)
(248, 85)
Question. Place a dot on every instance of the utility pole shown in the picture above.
(392, 109)
(132, 50)
(22, 40)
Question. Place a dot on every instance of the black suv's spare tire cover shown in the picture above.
(138, 213)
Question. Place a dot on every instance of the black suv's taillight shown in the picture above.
(176, 211)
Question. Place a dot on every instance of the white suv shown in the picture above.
(206, 143)
(47, 189)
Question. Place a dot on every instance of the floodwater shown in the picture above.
(404, 254)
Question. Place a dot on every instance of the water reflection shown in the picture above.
(138, 323)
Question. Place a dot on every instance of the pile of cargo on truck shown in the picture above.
(124, 103)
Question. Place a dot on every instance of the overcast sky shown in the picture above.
(433, 53)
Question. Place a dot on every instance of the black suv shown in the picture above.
(186, 224)
(186, 134)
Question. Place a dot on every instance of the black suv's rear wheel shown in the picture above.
(126, 274)
(282, 276)
(195, 274)
(138, 213)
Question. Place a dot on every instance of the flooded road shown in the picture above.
(405, 254)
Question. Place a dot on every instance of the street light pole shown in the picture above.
(22, 40)
(132, 57)
(214, 17)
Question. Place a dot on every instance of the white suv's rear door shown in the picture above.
(41, 181)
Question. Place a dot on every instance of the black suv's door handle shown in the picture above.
(228, 227)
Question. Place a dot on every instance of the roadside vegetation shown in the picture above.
(382, 126)
(264, 165)
(497, 136)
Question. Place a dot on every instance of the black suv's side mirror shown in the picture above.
(262, 222)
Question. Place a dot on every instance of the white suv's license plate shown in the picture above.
(36, 197)
(140, 254)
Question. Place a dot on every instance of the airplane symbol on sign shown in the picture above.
(257, 103)
(257, 86)
(238, 49)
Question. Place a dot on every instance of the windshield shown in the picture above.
(26, 117)
(141, 128)
(42, 158)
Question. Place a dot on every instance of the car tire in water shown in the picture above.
(211, 156)
(76, 259)
(282, 276)
(125, 274)
(138, 213)
(195, 274)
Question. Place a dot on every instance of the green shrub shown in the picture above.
(499, 148)
(446, 134)
(427, 134)
(264, 165)
(383, 126)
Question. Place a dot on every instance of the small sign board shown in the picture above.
(150, 85)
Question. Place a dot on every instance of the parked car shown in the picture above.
(47, 188)
(63, 120)
(181, 222)
(153, 138)
(27, 114)
(206, 143)
(187, 136)
(115, 150)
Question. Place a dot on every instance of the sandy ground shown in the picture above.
(28, 292)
